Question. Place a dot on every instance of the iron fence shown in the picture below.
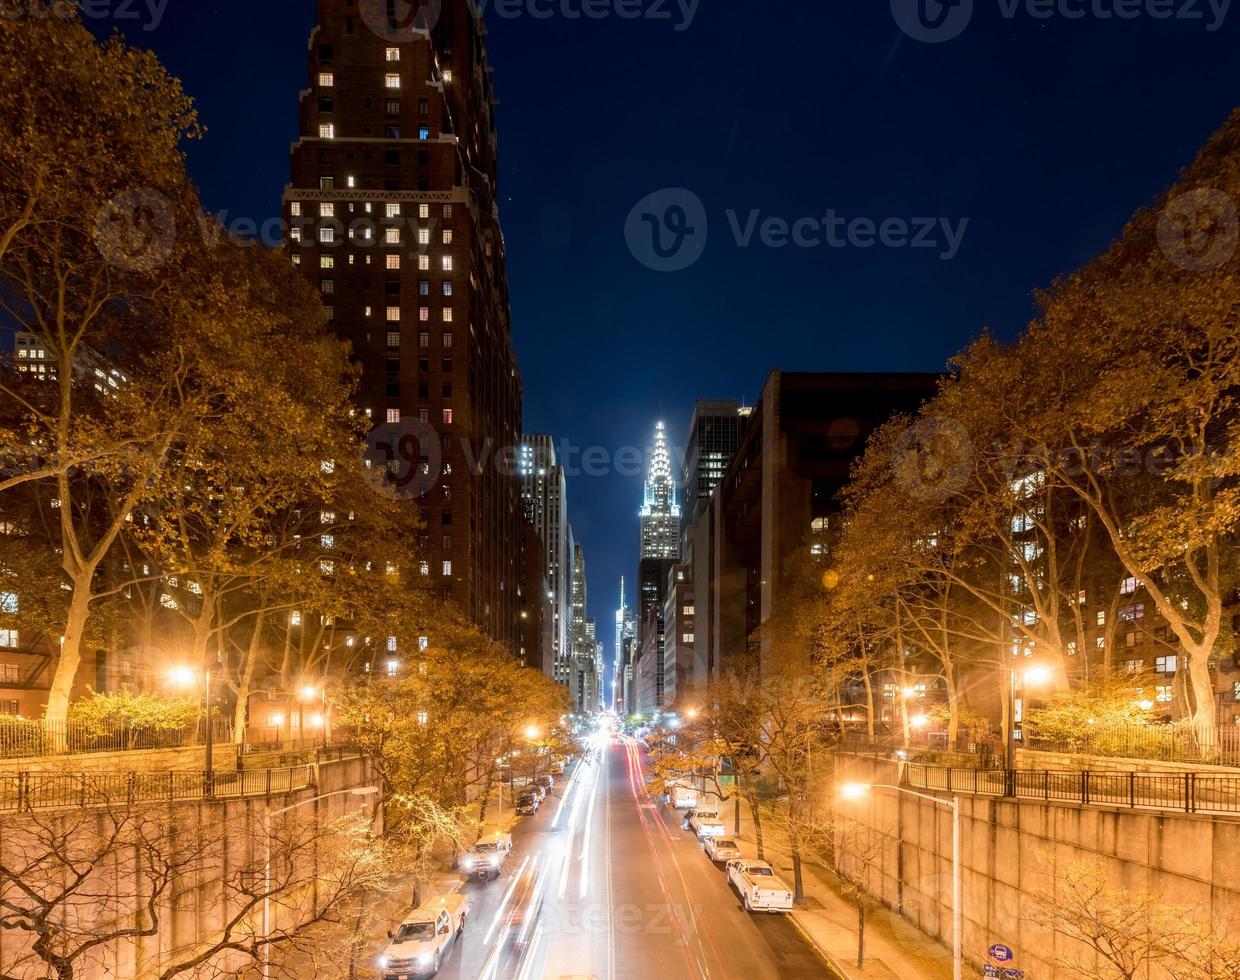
(22, 738)
(26, 791)
(1163, 743)
(1190, 792)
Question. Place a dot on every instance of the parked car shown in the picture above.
(486, 858)
(557, 767)
(547, 782)
(527, 804)
(705, 823)
(721, 849)
(759, 887)
(683, 797)
(418, 946)
(538, 789)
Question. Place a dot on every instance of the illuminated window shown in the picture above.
(393, 340)
(447, 263)
(327, 235)
(327, 131)
(424, 567)
(424, 314)
(447, 416)
(424, 262)
(327, 79)
(1164, 693)
(447, 74)
(447, 236)
(393, 54)
(687, 638)
(327, 261)
(447, 314)
(294, 618)
(9, 638)
(327, 209)
(392, 80)
(1166, 665)
(392, 209)
(424, 236)
(393, 414)
(294, 209)
(393, 314)
(1128, 586)
(447, 568)
(1102, 617)
(424, 210)
(391, 644)
(1133, 666)
(391, 236)
(393, 260)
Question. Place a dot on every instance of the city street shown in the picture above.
(624, 893)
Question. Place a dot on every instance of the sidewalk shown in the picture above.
(893, 947)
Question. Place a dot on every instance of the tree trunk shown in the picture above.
(953, 704)
(736, 813)
(798, 880)
(70, 659)
(860, 932)
(1205, 711)
(757, 827)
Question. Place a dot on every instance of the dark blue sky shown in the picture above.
(1044, 134)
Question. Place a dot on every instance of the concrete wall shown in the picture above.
(141, 760)
(226, 837)
(1027, 759)
(1013, 851)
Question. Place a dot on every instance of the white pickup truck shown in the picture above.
(486, 858)
(419, 944)
(758, 886)
(705, 823)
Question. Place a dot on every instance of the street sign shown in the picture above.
(992, 972)
(1001, 954)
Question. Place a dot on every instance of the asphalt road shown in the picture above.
(619, 892)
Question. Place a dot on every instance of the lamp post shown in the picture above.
(359, 791)
(1034, 674)
(856, 791)
(310, 693)
(185, 677)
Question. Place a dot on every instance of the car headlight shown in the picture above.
(494, 862)
(424, 958)
(384, 962)
(467, 863)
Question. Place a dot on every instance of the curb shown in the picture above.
(831, 961)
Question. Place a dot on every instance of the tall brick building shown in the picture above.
(392, 215)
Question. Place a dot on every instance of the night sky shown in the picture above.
(1044, 133)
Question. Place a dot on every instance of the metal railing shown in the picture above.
(1189, 792)
(22, 738)
(25, 791)
(1162, 743)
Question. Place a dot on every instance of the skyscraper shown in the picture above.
(393, 217)
(714, 433)
(660, 550)
(544, 497)
(626, 635)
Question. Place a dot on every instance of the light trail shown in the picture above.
(585, 844)
(503, 905)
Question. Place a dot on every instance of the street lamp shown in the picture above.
(311, 693)
(358, 791)
(183, 676)
(1034, 675)
(858, 791)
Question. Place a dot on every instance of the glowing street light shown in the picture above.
(691, 713)
(854, 791)
(909, 692)
(531, 732)
(1037, 675)
(182, 677)
(919, 721)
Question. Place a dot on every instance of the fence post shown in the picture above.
(1085, 787)
(171, 790)
(82, 789)
(268, 793)
(1132, 789)
(129, 787)
(1189, 785)
(23, 791)
(1046, 785)
(949, 779)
